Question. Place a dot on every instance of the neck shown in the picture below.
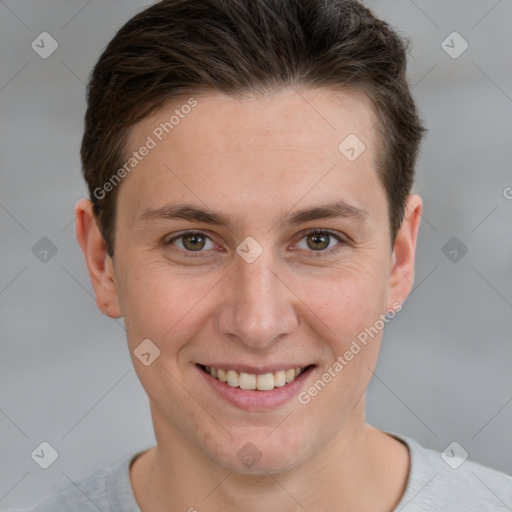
(360, 468)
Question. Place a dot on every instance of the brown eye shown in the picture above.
(322, 242)
(318, 241)
(193, 241)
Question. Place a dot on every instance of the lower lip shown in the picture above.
(254, 400)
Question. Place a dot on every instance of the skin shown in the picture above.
(255, 160)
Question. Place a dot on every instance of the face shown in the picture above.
(246, 240)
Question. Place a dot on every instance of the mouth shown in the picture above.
(257, 382)
(255, 389)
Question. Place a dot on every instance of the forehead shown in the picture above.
(283, 115)
(274, 146)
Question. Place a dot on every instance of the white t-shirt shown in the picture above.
(433, 485)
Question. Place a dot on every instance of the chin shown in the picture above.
(259, 455)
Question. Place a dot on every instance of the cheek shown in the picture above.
(348, 301)
(349, 307)
(158, 303)
(352, 329)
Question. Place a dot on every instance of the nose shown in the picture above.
(258, 306)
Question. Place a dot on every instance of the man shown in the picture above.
(250, 165)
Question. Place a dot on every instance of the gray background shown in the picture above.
(66, 376)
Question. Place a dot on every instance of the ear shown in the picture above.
(99, 263)
(401, 276)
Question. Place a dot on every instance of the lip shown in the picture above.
(255, 400)
(256, 370)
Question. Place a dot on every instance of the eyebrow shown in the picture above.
(338, 209)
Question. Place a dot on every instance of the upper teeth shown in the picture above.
(262, 382)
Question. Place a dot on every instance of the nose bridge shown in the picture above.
(259, 308)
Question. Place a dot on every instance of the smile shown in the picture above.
(255, 389)
(250, 381)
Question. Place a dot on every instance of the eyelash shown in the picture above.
(198, 254)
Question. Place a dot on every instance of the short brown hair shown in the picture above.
(244, 47)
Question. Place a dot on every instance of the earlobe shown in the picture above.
(97, 259)
(401, 276)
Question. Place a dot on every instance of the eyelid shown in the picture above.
(179, 234)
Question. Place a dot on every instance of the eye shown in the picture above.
(191, 242)
(319, 240)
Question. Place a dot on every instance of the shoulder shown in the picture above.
(449, 481)
(107, 489)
